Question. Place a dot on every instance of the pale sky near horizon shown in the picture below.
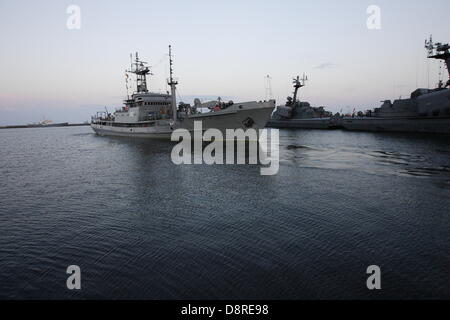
(221, 48)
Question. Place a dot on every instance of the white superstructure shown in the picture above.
(154, 115)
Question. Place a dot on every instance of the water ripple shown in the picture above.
(143, 228)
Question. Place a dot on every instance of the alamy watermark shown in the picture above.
(374, 280)
(374, 20)
(74, 19)
(262, 146)
(74, 280)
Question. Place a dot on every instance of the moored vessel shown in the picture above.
(426, 110)
(300, 114)
(46, 124)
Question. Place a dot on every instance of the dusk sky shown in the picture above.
(221, 48)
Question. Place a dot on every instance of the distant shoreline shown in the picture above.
(43, 126)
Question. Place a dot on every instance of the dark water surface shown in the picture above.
(141, 227)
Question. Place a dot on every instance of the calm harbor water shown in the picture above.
(140, 227)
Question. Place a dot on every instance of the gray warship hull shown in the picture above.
(407, 124)
(300, 115)
(427, 110)
(314, 123)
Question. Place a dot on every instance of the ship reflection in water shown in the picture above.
(370, 160)
(140, 227)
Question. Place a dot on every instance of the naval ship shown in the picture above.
(300, 114)
(148, 114)
(46, 124)
(427, 110)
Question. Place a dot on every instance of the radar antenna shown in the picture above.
(139, 68)
(429, 45)
(439, 51)
(298, 83)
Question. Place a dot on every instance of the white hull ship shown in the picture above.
(46, 124)
(153, 115)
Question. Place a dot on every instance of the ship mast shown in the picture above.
(172, 83)
(269, 94)
(439, 51)
(141, 71)
(297, 85)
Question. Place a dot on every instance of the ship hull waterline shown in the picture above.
(313, 123)
(221, 120)
(420, 125)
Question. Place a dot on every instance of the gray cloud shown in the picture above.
(325, 65)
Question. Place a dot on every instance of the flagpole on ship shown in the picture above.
(172, 84)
